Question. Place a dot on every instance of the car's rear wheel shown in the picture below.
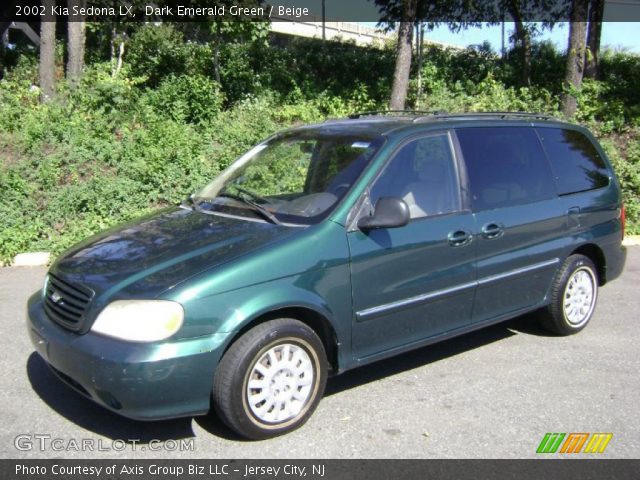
(271, 379)
(573, 296)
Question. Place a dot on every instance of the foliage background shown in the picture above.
(149, 135)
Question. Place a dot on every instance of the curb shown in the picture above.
(31, 259)
(38, 259)
(631, 240)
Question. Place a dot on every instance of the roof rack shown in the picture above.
(422, 115)
(502, 115)
(414, 113)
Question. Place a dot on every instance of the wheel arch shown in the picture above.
(594, 253)
(316, 321)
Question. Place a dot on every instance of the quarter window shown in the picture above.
(423, 174)
(576, 163)
(506, 166)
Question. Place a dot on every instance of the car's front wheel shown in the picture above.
(271, 379)
(573, 296)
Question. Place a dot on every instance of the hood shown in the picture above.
(143, 258)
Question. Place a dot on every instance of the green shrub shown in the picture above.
(158, 51)
(187, 98)
(127, 143)
(628, 172)
(488, 95)
(594, 108)
(103, 91)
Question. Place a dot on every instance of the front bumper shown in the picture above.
(141, 381)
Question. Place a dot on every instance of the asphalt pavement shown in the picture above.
(489, 394)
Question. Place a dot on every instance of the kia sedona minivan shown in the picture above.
(327, 247)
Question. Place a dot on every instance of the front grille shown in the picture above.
(65, 304)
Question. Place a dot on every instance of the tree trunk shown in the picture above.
(217, 40)
(118, 67)
(76, 40)
(403, 56)
(596, 12)
(420, 55)
(524, 38)
(112, 43)
(47, 67)
(575, 56)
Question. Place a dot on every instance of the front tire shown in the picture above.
(271, 379)
(573, 296)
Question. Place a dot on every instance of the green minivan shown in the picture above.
(327, 247)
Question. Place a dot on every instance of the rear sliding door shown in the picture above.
(520, 224)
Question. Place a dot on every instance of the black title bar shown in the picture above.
(583, 469)
(431, 11)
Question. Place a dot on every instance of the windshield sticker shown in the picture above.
(360, 145)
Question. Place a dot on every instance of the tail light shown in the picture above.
(623, 219)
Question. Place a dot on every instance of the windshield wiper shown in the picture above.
(256, 207)
(194, 205)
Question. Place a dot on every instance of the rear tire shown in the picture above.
(573, 297)
(271, 379)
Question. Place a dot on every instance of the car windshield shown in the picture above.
(295, 178)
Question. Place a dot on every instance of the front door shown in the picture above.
(417, 281)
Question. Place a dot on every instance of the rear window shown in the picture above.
(575, 161)
(506, 166)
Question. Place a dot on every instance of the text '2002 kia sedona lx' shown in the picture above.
(327, 247)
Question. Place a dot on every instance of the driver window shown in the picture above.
(423, 174)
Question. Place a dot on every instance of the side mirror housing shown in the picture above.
(389, 212)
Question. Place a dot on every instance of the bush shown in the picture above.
(187, 98)
(305, 66)
(627, 169)
(594, 108)
(76, 167)
(122, 145)
(488, 95)
(101, 91)
(158, 51)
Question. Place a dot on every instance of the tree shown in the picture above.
(47, 67)
(530, 17)
(420, 54)
(596, 13)
(403, 56)
(462, 14)
(230, 31)
(458, 14)
(76, 30)
(523, 37)
(222, 30)
(575, 56)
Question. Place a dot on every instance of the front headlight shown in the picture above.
(140, 320)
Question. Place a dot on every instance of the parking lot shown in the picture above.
(489, 394)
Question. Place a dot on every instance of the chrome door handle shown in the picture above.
(458, 238)
(492, 230)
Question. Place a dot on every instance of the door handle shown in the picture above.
(492, 230)
(458, 238)
(574, 217)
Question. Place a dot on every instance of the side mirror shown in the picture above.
(389, 212)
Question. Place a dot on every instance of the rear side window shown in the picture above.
(506, 166)
(576, 163)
